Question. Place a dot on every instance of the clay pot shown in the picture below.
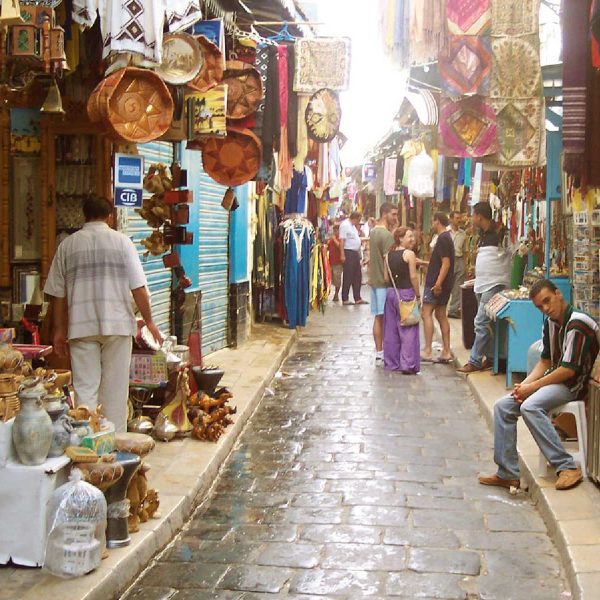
(62, 427)
(32, 429)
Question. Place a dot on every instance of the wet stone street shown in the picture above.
(350, 482)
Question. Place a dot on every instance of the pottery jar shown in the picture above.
(32, 429)
(62, 427)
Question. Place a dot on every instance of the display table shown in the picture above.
(518, 323)
(24, 495)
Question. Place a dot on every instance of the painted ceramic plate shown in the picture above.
(323, 115)
(182, 58)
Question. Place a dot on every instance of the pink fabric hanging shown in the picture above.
(389, 176)
(285, 163)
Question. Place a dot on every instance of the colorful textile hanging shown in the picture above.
(466, 65)
(322, 63)
(468, 17)
(427, 30)
(517, 72)
(515, 17)
(521, 129)
(575, 26)
(467, 127)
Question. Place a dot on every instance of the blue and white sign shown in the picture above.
(129, 180)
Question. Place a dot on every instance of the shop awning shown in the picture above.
(423, 102)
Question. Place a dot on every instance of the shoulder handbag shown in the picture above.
(408, 310)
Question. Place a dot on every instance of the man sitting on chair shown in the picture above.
(570, 346)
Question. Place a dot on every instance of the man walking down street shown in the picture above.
(438, 287)
(492, 275)
(94, 273)
(350, 254)
(459, 237)
(570, 347)
(381, 239)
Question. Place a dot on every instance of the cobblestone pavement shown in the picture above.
(350, 482)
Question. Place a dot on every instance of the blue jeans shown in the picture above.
(535, 414)
(484, 337)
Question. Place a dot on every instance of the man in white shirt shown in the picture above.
(350, 254)
(93, 276)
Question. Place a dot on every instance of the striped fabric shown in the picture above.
(574, 345)
(96, 268)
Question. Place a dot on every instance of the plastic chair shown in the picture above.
(577, 409)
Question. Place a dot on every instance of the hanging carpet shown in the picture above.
(468, 17)
(521, 129)
(467, 127)
(516, 69)
(465, 66)
(322, 63)
(516, 17)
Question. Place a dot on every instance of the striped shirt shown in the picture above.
(573, 345)
(95, 269)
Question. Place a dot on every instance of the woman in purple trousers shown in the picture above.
(401, 345)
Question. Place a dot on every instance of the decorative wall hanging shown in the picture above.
(135, 105)
(322, 63)
(207, 113)
(468, 17)
(323, 116)
(465, 65)
(244, 89)
(233, 160)
(183, 14)
(181, 58)
(211, 72)
(467, 127)
(516, 69)
(521, 129)
(515, 17)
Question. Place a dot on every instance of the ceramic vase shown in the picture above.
(61, 432)
(32, 429)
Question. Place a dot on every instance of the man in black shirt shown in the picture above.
(438, 288)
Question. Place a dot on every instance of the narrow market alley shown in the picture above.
(352, 482)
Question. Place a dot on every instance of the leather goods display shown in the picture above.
(134, 104)
(244, 89)
(211, 72)
(323, 116)
(233, 160)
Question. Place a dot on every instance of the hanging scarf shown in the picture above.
(284, 160)
(575, 23)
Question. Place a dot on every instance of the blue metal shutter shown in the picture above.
(158, 276)
(213, 263)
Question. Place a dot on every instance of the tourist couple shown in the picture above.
(393, 276)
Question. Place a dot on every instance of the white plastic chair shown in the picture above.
(577, 409)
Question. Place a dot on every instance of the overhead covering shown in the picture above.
(424, 104)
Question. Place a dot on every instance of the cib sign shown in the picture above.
(129, 177)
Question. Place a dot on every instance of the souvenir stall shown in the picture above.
(300, 175)
(74, 104)
(491, 140)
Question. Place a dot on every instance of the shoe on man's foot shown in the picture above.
(469, 368)
(568, 479)
(498, 481)
(379, 361)
(347, 303)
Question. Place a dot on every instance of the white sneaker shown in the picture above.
(379, 361)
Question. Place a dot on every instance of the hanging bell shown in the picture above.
(10, 13)
(53, 102)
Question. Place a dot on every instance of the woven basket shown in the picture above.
(134, 104)
(233, 160)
